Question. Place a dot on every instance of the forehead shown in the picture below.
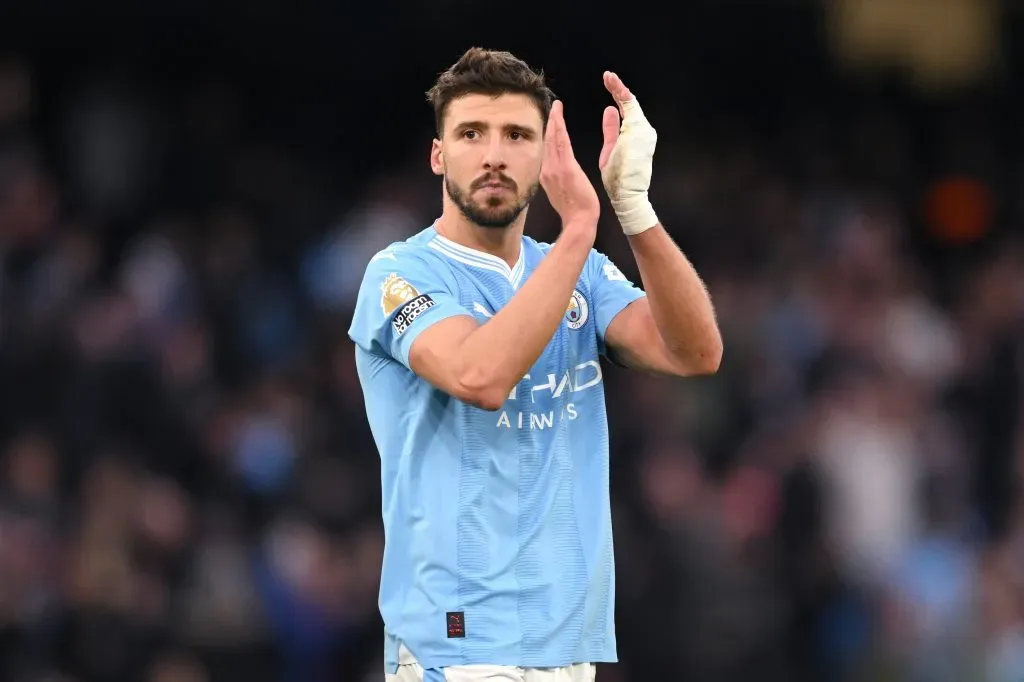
(507, 109)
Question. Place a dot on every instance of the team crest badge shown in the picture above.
(578, 311)
(395, 292)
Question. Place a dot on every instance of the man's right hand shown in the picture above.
(569, 190)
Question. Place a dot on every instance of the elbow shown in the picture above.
(704, 362)
(711, 358)
(481, 389)
(489, 401)
(710, 362)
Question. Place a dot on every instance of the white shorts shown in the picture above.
(411, 671)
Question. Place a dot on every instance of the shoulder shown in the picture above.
(544, 247)
(532, 243)
(415, 256)
(394, 276)
(598, 264)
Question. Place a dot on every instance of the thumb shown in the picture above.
(610, 128)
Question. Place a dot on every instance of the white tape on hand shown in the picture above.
(627, 175)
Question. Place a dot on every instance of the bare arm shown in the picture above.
(672, 330)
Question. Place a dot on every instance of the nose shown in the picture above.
(494, 156)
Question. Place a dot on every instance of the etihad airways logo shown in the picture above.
(582, 377)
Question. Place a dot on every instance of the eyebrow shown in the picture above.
(481, 125)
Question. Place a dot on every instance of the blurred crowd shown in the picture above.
(188, 487)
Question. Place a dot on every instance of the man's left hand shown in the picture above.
(627, 158)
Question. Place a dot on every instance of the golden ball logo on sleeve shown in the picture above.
(395, 292)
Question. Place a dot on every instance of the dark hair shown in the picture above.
(488, 72)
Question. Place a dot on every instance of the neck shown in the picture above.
(505, 243)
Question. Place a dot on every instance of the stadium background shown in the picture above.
(189, 192)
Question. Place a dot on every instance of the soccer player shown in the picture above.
(479, 354)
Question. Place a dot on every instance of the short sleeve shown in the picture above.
(610, 290)
(400, 297)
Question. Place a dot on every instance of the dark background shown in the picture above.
(189, 192)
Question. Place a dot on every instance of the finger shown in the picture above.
(551, 132)
(623, 96)
(562, 145)
(610, 128)
(619, 92)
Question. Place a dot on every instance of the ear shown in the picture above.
(436, 157)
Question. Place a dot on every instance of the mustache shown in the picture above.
(504, 180)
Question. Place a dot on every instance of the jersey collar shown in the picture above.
(480, 259)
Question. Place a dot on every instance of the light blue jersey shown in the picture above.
(498, 526)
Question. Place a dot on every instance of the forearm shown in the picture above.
(679, 301)
(499, 353)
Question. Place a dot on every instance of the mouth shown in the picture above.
(494, 188)
(495, 185)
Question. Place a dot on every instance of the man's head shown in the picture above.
(491, 109)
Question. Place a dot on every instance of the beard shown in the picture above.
(496, 211)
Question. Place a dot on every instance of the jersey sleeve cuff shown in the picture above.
(626, 297)
(437, 314)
